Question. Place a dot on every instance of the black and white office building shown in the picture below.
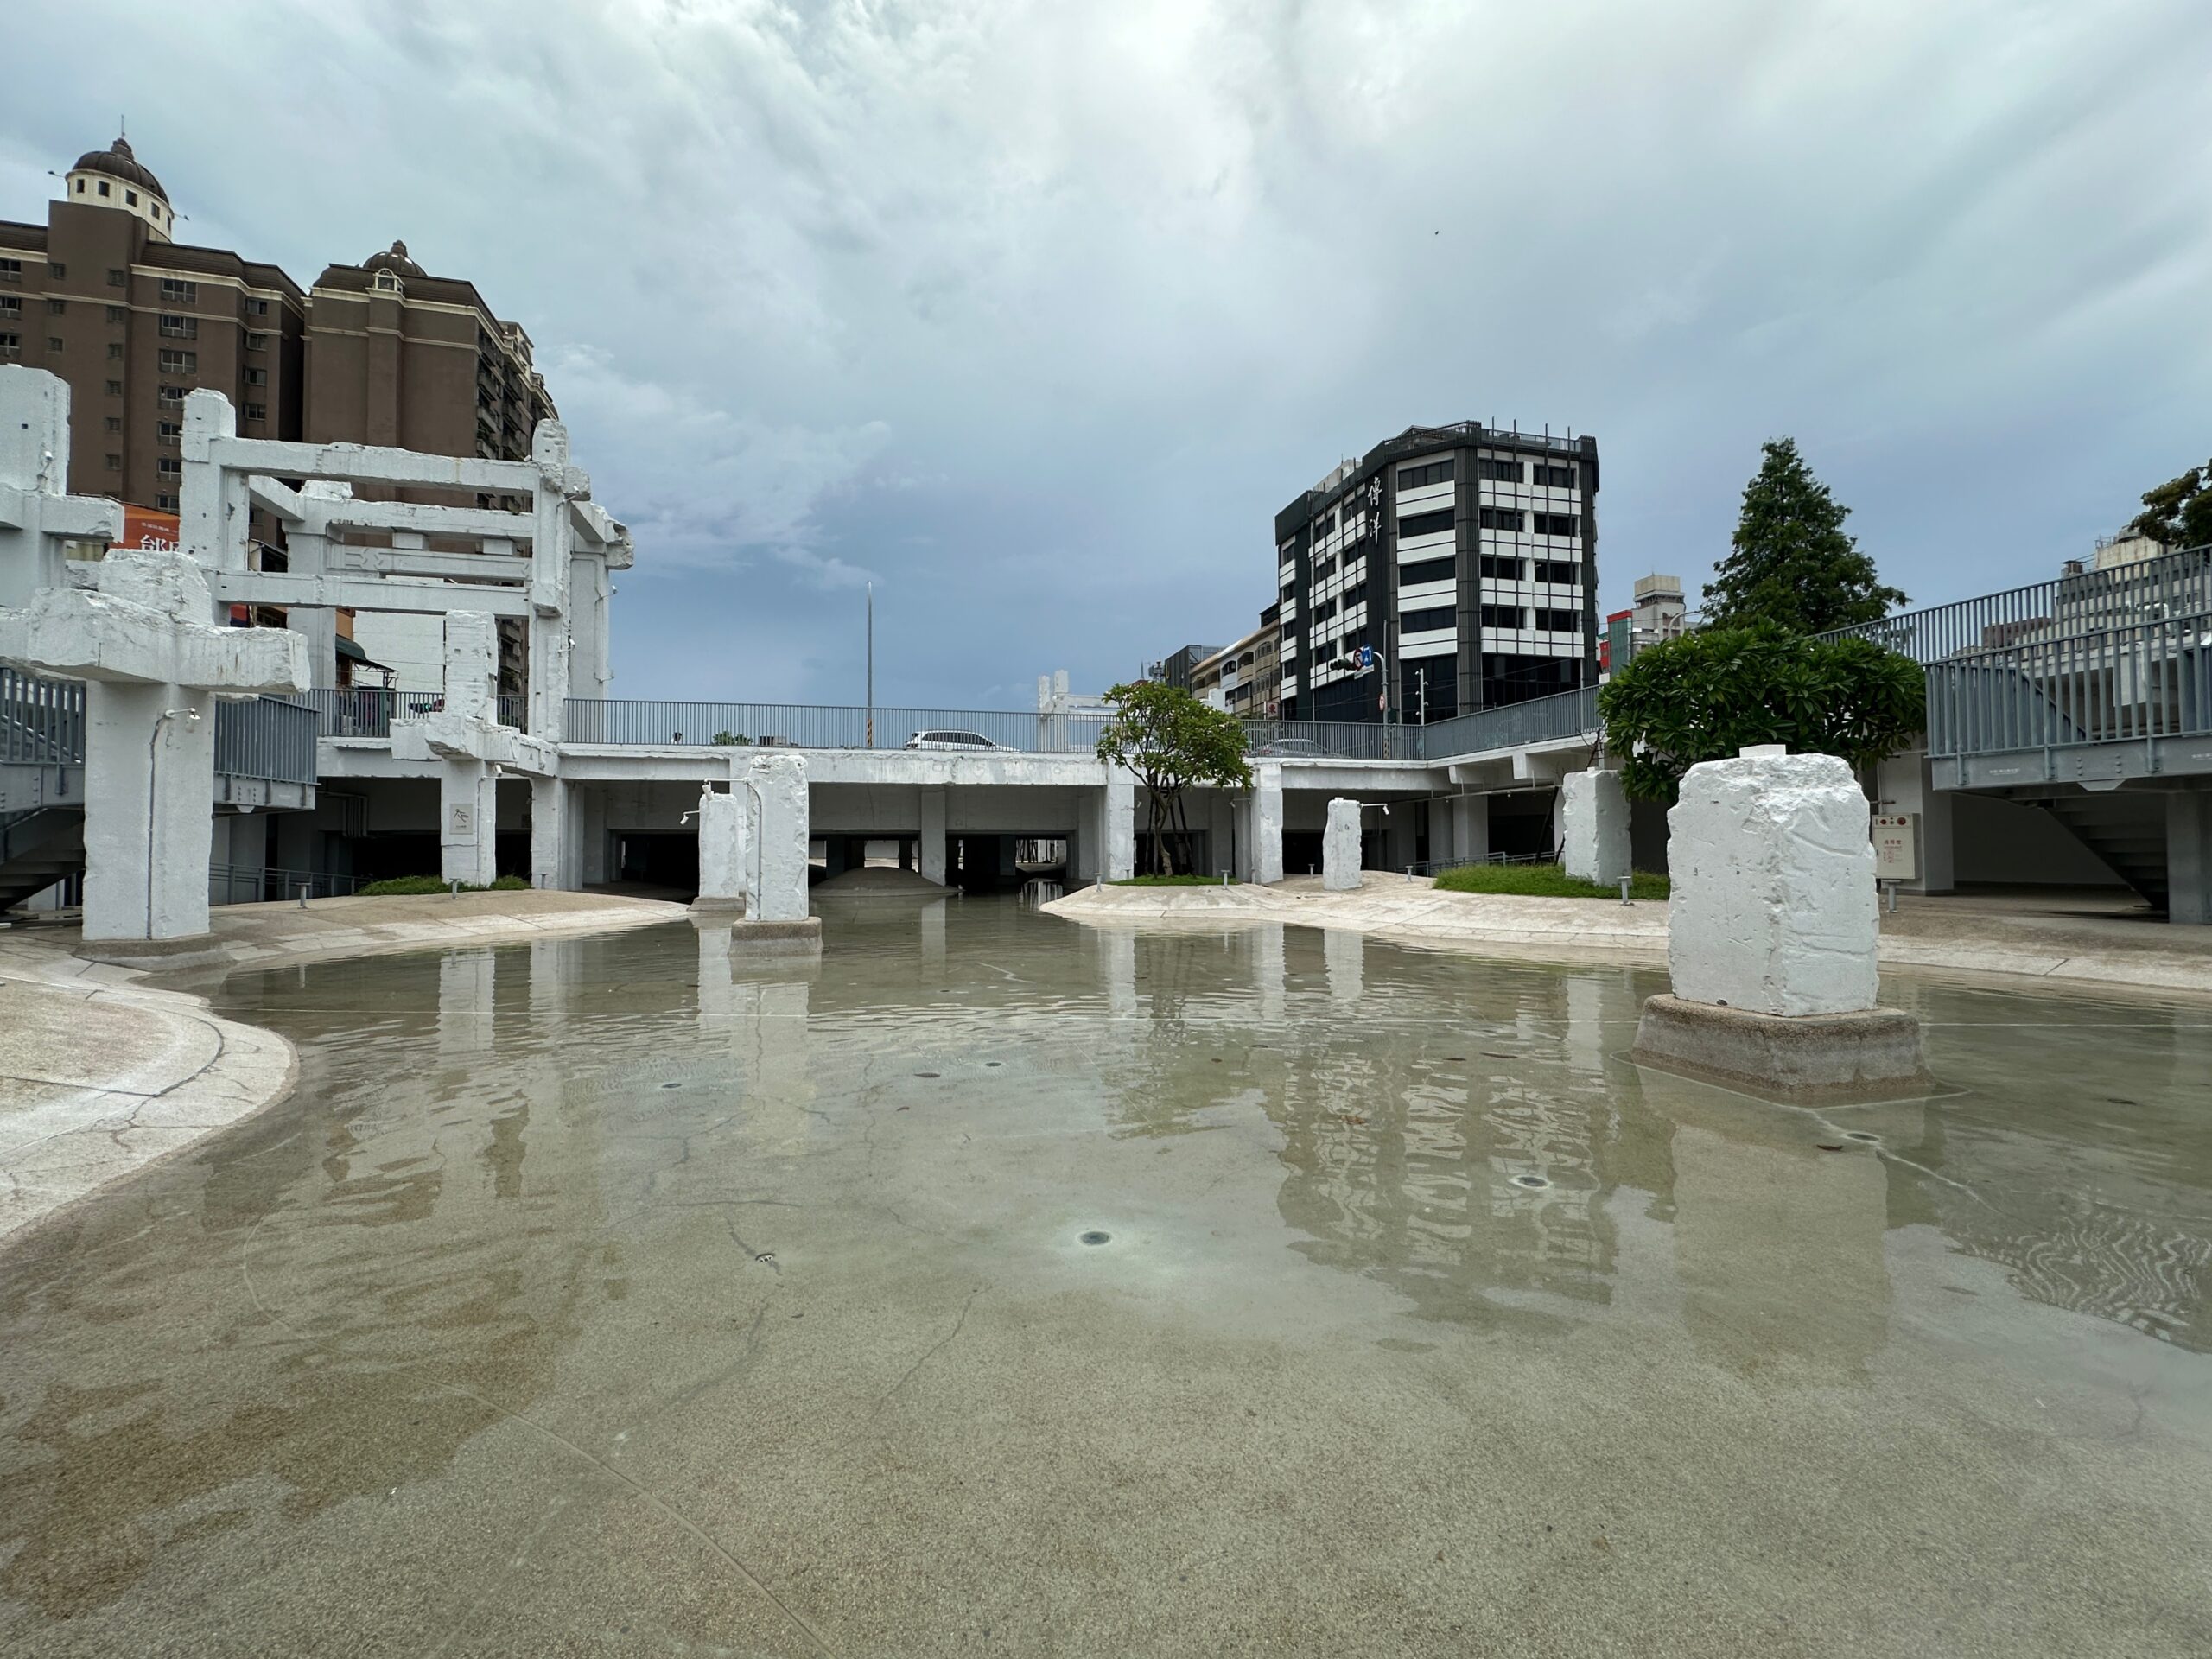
(1450, 568)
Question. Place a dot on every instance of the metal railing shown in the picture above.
(268, 738)
(42, 720)
(820, 727)
(2119, 685)
(2148, 591)
(253, 884)
(1566, 714)
(368, 711)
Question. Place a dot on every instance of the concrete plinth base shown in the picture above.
(1803, 1058)
(799, 939)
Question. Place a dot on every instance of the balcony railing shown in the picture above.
(368, 711)
(2119, 685)
(42, 720)
(1537, 719)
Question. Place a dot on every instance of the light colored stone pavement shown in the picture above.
(102, 1072)
(2063, 938)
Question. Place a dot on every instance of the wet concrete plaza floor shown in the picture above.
(1003, 1286)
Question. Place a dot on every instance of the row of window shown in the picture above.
(1425, 621)
(162, 215)
(1425, 523)
(1416, 478)
(1548, 620)
(1411, 576)
(1563, 571)
(1560, 477)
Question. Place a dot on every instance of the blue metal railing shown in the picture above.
(42, 720)
(255, 884)
(268, 738)
(2119, 685)
(1566, 714)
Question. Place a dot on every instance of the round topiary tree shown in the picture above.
(1709, 694)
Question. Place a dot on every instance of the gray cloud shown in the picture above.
(1035, 314)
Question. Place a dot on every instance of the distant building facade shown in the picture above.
(1659, 614)
(1450, 568)
(1175, 668)
(1245, 679)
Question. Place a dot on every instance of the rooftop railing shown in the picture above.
(368, 711)
(42, 720)
(1537, 719)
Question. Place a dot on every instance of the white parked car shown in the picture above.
(952, 740)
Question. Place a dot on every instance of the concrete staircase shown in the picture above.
(38, 848)
(2128, 830)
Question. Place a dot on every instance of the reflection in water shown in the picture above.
(530, 1199)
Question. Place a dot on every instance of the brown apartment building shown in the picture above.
(381, 353)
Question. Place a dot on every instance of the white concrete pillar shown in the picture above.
(552, 835)
(722, 854)
(1117, 827)
(149, 786)
(318, 626)
(594, 850)
(552, 546)
(589, 585)
(776, 883)
(2189, 858)
(1262, 849)
(212, 500)
(1595, 846)
(472, 665)
(38, 514)
(468, 824)
(933, 832)
(1340, 847)
(1774, 909)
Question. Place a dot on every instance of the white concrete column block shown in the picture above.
(1774, 908)
(212, 500)
(933, 834)
(1470, 816)
(552, 835)
(723, 858)
(590, 588)
(1264, 852)
(468, 824)
(775, 889)
(1595, 844)
(552, 547)
(318, 626)
(1117, 827)
(472, 665)
(149, 787)
(37, 515)
(1340, 847)
(2189, 858)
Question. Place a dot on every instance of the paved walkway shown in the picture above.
(2086, 939)
(101, 1072)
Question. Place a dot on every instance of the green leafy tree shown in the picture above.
(1172, 742)
(2179, 511)
(1793, 563)
(1708, 694)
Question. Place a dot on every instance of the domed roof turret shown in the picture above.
(117, 162)
(394, 259)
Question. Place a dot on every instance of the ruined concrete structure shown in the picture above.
(1594, 822)
(1340, 847)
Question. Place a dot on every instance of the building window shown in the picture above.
(1498, 472)
(168, 431)
(180, 362)
(1501, 616)
(256, 342)
(1411, 576)
(1556, 524)
(1501, 570)
(113, 423)
(1414, 478)
(1323, 612)
(115, 388)
(130, 198)
(11, 305)
(257, 377)
(11, 347)
(169, 467)
(1427, 621)
(11, 270)
(117, 278)
(56, 269)
(256, 411)
(1325, 523)
(1425, 523)
(115, 463)
(104, 189)
(1558, 621)
(118, 314)
(115, 351)
(176, 288)
(164, 503)
(57, 307)
(1499, 517)
(173, 396)
(1562, 571)
(1326, 569)
(174, 327)
(256, 308)
(54, 342)
(1557, 478)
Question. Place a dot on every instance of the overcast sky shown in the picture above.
(1037, 313)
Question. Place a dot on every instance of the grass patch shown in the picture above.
(1172, 881)
(413, 886)
(1543, 881)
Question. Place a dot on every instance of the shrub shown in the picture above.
(410, 887)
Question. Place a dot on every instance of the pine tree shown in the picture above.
(1793, 563)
